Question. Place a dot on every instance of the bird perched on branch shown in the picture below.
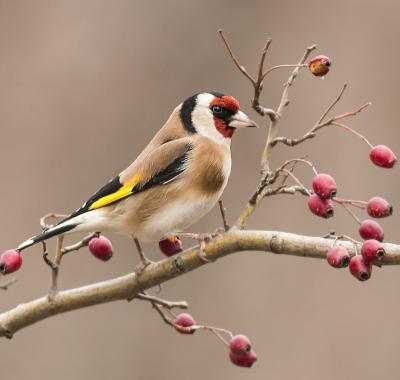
(174, 181)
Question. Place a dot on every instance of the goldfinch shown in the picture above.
(174, 181)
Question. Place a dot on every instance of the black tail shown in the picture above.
(53, 231)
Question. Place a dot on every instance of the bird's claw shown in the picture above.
(139, 269)
(202, 238)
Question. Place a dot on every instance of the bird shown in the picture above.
(176, 180)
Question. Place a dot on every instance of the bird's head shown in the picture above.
(213, 115)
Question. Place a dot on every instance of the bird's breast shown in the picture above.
(210, 168)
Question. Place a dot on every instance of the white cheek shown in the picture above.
(203, 121)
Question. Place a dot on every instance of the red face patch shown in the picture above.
(227, 102)
(223, 128)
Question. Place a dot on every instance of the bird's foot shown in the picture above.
(144, 263)
(203, 239)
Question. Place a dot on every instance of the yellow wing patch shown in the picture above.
(122, 192)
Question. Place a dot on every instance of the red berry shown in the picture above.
(101, 248)
(360, 268)
(184, 322)
(378, 207)
(369, 229)
(240, 345)
(10, 261)
(320, 65)
(320, 207)
(243, 361)
(382, 156)
(372, 250)
(170, 246)
(338, 257)
(324, 186)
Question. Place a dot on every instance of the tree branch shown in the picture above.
(130, 285)
(284, 102)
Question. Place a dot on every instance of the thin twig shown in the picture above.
(291, 190)
(280, 67)
(349, 210)
(167, 304)
(164, 317)
(297, 181)
(223, 215)
(307, 162)
(80, 244)
(259, 85)
(55, 271)
(273, 127)
(162, 310)
(46, 257)
(8, 284)
(320, 123)
(235, 60)
(349, 129)
(333, 104)
(43, 219)
(353, 202)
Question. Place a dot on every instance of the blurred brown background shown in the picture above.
(85, 84)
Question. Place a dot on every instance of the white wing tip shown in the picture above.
(25, 244)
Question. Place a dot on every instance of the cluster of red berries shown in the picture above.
(360, 265)
(99, 246)
(372, 250)
(325, 189)
(240, 349)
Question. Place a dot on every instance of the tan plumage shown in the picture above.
(175, 180)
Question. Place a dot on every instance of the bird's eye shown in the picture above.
(216, 109)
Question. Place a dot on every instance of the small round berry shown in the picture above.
(382, 156)
(320, 65)
(359, 268)
(320, 207)
(240, 345)
(184, 322)
(338, 257)
(170, 246)
(10, 261)
(324, 186)
(372, 250)
(243, 361)
(378, 207)
(369, 229)
(101, 248)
